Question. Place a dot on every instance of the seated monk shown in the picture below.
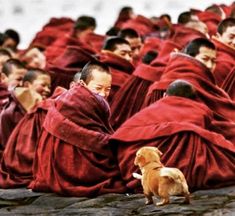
(225, 46)
(17, 159)
(181, 128)
(36, 84)
(73, 157)
(117, 54)
(196, 65)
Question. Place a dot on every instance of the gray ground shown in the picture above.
(25, 202)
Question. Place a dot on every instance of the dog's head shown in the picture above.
(147, 154)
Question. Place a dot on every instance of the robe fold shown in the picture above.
(130, 97)
(4, 96)
(73, 156)
(225, 61)
(180, 128)
(229, 84)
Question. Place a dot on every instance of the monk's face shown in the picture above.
(124, 51)
(136, 45)
(228, 37)
(41, 85)
(35, 58)
(100, 83)
(15, 79)
(207, 57)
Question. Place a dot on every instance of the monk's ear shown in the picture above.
(4, 78)
(82, 83)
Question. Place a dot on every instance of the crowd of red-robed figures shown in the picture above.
(71, 144)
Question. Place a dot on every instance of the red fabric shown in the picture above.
(120, 69)
(54, 29)
(183, 35)
(17, 160)
(67, 64)
(11, 114)
(182, 66)
(73, 156)
(60, 44)
(229, 84)
(130, 97)
(4, 95)
(211, 20)
(180, 128)
(141, 24)
(151, 43)
(225, 61)
(94, 40)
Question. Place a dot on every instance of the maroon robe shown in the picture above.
(73, 156)
(180, 128)
(184, 67)
(211, 20)
(17, 160)
(120, 69)
(130, 97)
(229, 84)
(11, 114)
(67, 64)
(60, 45)
(4, 96)
(225, 61)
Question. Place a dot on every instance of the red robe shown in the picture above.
(120, 69)
(4, 96)
(229, 84)
(17, 160)
(180, 128)
(12, 113)
(130, 97)
(67, 64)
(225, 61)
(211, 19)
(73, 156)
(185, 67)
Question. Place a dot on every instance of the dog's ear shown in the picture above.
(139, 160)
(159, 152)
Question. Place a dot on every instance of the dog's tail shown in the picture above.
(137, 176)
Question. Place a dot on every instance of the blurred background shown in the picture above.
(28, 16)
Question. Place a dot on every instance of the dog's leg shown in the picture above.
(187, 198)
(149, 199)
(163, 193)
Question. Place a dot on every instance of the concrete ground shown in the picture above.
(216, 202)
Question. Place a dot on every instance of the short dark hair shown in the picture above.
(149, 56)
(128, 32)
(193, 47)
(7, 66)
(86, 73)
(181, 88)
(85, 22)
(184, 17)
(5, 52)
(11, 33)
(112, 42)
(166, 16)
(224, 24)
(215, 9)
(113, 31)
(33, 73)
(2, 38)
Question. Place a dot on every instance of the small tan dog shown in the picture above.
(157, 179)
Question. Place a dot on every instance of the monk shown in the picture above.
(36, 87)
(225, 45)
(196, 65)
(117, 54)
(181, 128)
(73, 157)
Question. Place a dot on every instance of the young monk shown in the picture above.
(73, 156)
(22, 99)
